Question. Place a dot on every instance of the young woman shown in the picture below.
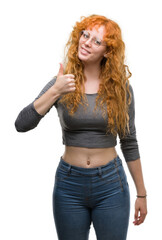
(95, 103)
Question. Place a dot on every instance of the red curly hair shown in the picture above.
(114, 84)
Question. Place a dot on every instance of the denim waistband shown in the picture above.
(90, 171)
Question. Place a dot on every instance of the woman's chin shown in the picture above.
(82, 57)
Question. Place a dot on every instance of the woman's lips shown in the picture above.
(84, 51)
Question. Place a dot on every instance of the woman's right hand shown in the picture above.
(64, 83)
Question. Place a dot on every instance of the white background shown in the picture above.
(33, 36)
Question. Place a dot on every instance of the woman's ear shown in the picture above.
(106, 55)
(106, 52)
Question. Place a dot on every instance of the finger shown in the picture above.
(71, 76)
(136, 217)
(136, 220)
(72, 84)
(140, 219)
(136, 214)
(61, 70)
(70, 80)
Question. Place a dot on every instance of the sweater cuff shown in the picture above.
(35, 112)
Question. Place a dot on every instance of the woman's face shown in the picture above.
(89, 50)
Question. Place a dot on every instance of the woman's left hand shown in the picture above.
(140, 210)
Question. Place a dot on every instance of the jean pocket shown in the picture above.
(61, 174)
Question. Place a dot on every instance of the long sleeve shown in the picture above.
(129, 144)
(29, 118)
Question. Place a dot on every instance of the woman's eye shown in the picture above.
(98, 42)
(85, 35)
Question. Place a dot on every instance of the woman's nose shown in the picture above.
(88, 42)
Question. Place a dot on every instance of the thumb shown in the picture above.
(61, 70)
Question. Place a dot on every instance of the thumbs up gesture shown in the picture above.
(64, 83)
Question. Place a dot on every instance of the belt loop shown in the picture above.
(69, 169)
(100, 171)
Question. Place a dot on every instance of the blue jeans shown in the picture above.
(84, 195)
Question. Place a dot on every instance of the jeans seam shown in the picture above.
(121, 185)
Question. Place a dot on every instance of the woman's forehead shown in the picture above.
(96, 30)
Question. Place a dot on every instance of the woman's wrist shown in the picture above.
(142, 193)
(141, 190)
(142, 196)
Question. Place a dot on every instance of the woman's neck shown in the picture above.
(92, 72)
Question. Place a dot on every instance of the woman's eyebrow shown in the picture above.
(94, 36)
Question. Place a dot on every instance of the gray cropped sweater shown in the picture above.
(84, 129)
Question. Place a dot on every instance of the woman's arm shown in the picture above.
(30, 116)
(130, 149)
(129, 143)
(46, 101)
(135, 169)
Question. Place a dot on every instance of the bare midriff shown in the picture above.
(88, 157)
